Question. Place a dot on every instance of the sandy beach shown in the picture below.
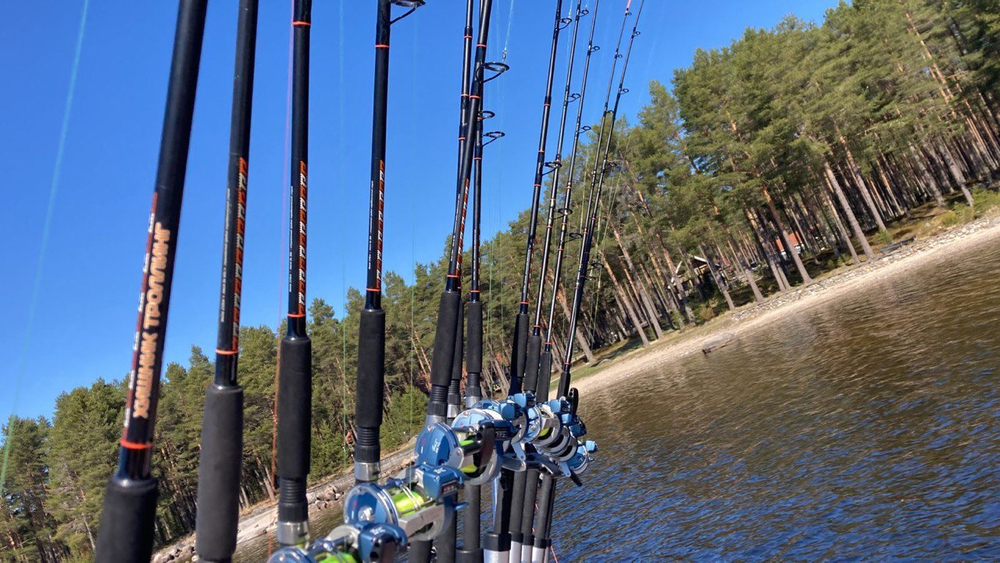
(751, 317)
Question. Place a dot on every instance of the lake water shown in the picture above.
(863, 429)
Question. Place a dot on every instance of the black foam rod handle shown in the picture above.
(370, 394)
(455, 386)
(444, 352)
(474, 346)
(127, 521)
(544, 376)
(294, 407)
(219, 473)
(532, 357)
(520, 351)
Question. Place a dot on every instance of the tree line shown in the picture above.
(770, 161)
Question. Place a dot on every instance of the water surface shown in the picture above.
(863, 429)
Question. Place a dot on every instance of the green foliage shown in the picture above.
(987, 202)
(882, 238)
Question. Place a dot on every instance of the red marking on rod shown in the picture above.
(452, 276)
(475, 97)
(379, 46)
(227, 352)
(296, 315)
(135, 445)
(481, 45)
(298, 23)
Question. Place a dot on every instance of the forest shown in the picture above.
(789, 153)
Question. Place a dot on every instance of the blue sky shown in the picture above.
(91, 271)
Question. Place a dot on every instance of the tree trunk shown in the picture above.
(845, 237)
(628, 306)
(789, 247)
(637, 284)
(956, 173)
(851, 219)
(862, 186)
(584, 345)
(717, 279)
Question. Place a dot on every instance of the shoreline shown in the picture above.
(753, 316)
(262, 519)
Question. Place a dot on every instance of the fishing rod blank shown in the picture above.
(599, 177)
(519, 349)
(450, 304)
(535, 340)
(127, 519)
(454, 388)
(222, 427)
(295, 350)
(466, 69)
(531, 370)
(546, 358)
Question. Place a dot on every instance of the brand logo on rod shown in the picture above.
(149, 341)
(303, 196)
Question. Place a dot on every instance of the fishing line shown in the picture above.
(506, 42)
(413, 232)
(46, 229)
(282, 256)
(341, 113)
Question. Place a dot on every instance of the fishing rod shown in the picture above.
(548, 485)
(532, 378)
(472, 551)
(371, 331)
(519, 349)
(597, 188)
(221, 457)
(450, 303)
(295, 349)
(455, 386)
(466, 70)
(545, 367)
(535, 340)
(445, 398)
(129, 511)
